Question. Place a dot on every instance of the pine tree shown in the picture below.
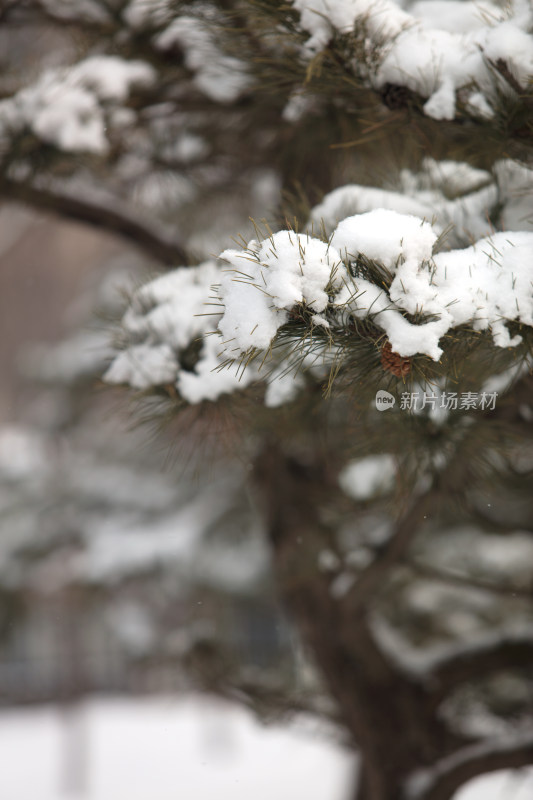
(365, 347)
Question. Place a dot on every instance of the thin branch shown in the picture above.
(277, 701)
(393, 552)
(467, 581)
(494, 525)
(472, 661)
(103, 213)
(444, 778)
(38, 11)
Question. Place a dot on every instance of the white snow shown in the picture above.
(453, 196)
(81, 11)
(483, 285)
(142, 366)
(298, 106)
(195, 748)
(283, 386)
(64, 107)
(328, 561)
(269, 278)
(504, 785)
(192, 747)
(423, 781)
(367, 477)
(512, 46)
(354, 199)
(467, 550)
(23, 453)
(111, 77)
(452, 178)
(220, 77)
(127, 546)
(320, 17)
(386, 237)
(170, 314)
(341, 585)
(515, 188)
(436, 50)
(140, 14)
(456, 16)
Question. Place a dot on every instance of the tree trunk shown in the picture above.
(386, 712)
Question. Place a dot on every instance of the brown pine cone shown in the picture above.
(392, 362)
(396, 97)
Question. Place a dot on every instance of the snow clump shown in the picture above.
(367, 477)
(166, 319)
(174, 335)
(268, 278)
(458, 199)
(220, 77)
(484, 285)
(66, 107)
(436, 50)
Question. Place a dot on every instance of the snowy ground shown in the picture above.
(191, 749)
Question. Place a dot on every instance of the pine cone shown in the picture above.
(392, 362)
(395, 96)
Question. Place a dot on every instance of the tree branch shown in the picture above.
(468, 582)
(375, 698)
(393, 551)
(473, 661)
(100, 212)
(441, 781)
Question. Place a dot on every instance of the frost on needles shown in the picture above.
(216, 328)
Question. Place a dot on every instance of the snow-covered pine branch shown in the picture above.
(484, 286)
(125, 108)
(167, 339)
(464, 204)
(377, 267)
(444, 52)
(72, 108)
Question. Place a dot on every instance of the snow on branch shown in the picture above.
(166, 331)
(444, 778)
(374, 575)
(378, 267)
(470, 661)
(147, 14)
(85, 11)
(485, 285)
(458, 199)
(222, 78)
(438, 50)
(67, 107)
